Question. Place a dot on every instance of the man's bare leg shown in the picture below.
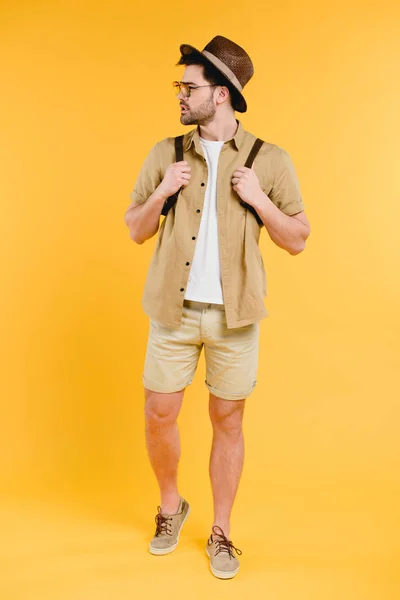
(227, 456)
(163, 444)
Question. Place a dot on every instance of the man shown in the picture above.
(206, 282)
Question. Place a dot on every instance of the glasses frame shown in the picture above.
(189, 88)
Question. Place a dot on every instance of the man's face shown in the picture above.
(200, 107)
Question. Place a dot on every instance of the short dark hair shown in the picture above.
(211, 74)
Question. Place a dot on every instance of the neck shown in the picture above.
(219, 131)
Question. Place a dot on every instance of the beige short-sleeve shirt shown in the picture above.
(243, 274)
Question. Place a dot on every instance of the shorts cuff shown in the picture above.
(227, 395)
(163, 389)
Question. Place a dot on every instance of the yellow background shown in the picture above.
(85, 91)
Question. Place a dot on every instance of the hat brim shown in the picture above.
(188, 49)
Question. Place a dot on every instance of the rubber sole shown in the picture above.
(221, 574)
(163, 551)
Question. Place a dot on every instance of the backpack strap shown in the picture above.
(170, 202)
(253, 152)
(179, 148)
(250, 159)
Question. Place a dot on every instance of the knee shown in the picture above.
(159, 412)
(228, 420)
(157, 416)
(228, 427)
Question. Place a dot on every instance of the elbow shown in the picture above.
(134, 238)
(300, 245)
(132, 233)
(297, 249)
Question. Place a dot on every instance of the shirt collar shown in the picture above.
(193, 137)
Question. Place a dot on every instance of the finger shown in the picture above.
(237, 179)
(240, 172)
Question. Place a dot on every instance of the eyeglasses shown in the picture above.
(186, 89)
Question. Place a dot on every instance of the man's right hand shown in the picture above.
(176, 176)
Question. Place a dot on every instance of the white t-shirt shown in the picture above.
(204, 283)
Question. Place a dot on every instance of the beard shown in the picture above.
(201, 115)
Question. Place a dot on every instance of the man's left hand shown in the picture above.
(246, 184)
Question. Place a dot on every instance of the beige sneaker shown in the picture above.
(168, 529)
(223, 563)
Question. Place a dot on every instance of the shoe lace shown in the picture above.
(224, 545)
(162, 522)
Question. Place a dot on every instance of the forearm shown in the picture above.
(143, 221)
(287, 233)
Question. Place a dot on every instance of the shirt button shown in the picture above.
(198, 210)
(187, 264)
(182, 289)
(193, 238)
(203, 184)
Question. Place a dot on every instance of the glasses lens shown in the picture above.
(185, 89)
(177, 87)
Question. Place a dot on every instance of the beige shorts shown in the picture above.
(231, 355)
